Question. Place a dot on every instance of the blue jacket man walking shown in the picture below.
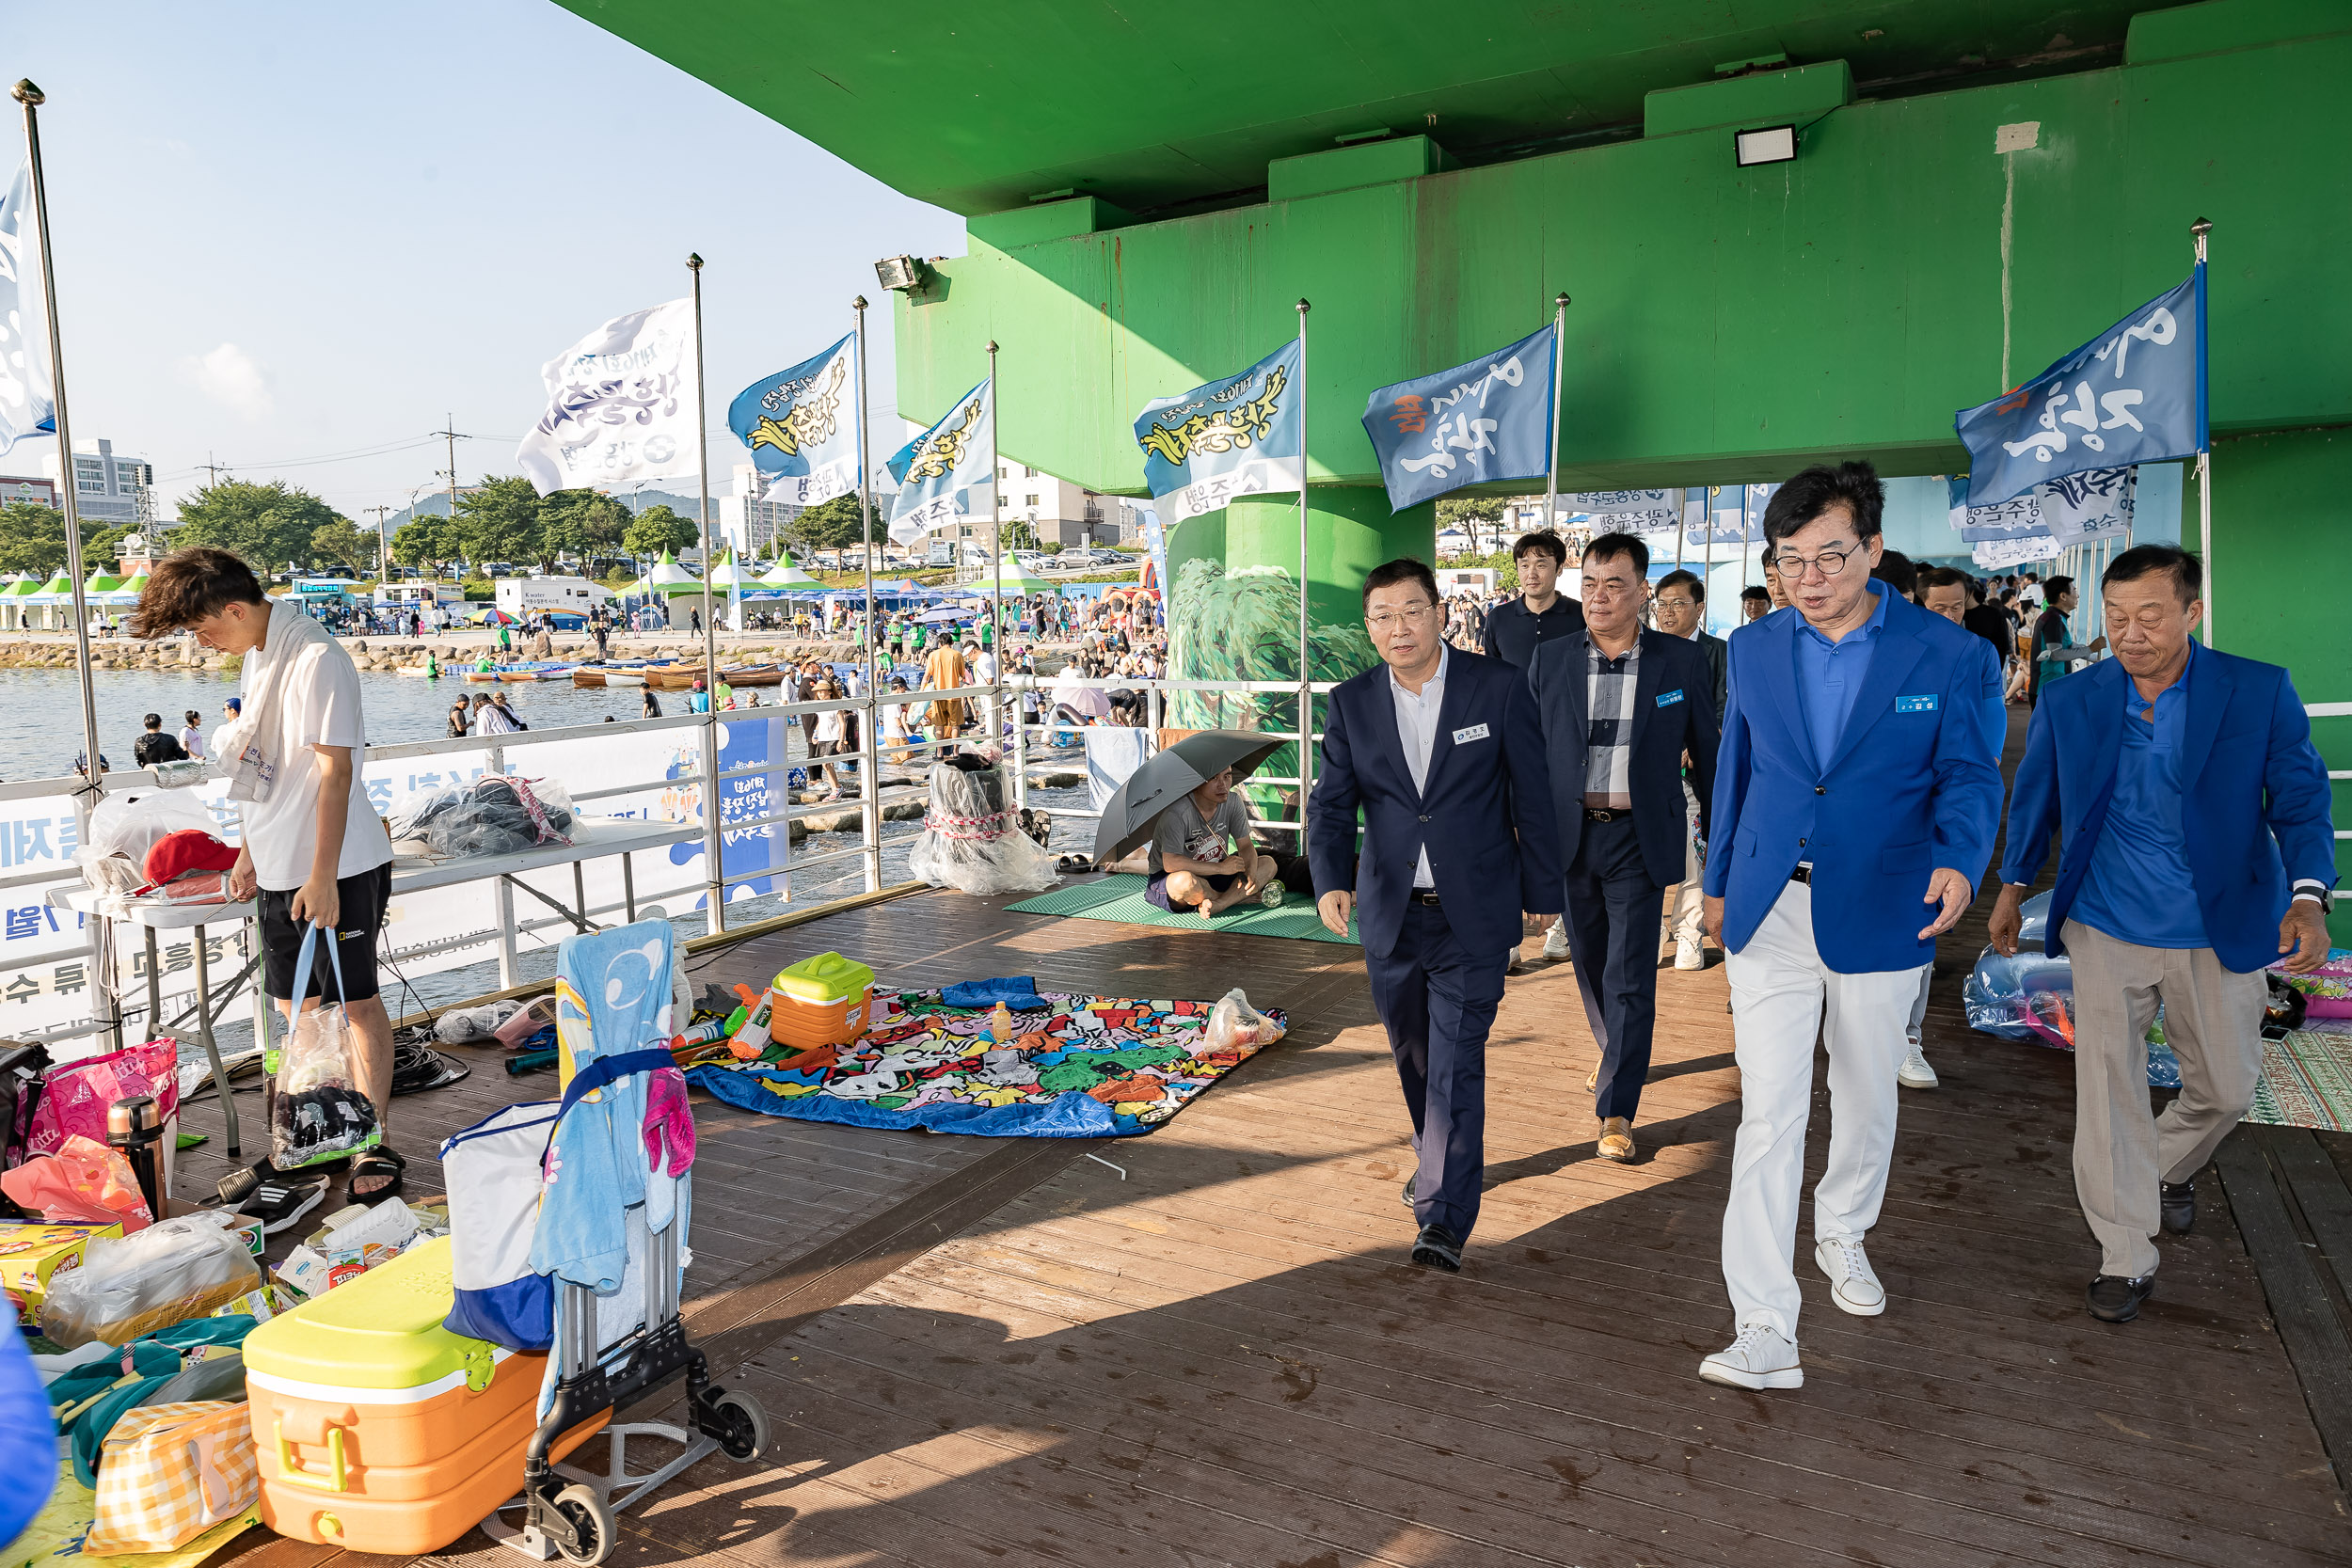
(2197, 851)
(1857, 795)
(1442, 751)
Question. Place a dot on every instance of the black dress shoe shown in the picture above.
(2115, 1300)
(2179, 1201)
(1409, 1188)
(1436, 1248)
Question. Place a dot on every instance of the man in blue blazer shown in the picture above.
(1442, 751)
(1856, 783)
(2189, 794)
(1622, 706)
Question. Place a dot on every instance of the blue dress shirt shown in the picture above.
(2138, 888)
(1829, 675)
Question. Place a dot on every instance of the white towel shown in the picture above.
(244, 746)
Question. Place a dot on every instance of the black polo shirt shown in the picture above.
(1514, 631)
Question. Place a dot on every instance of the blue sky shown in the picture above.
(286, 233)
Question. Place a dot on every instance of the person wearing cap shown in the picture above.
(460, 718)
(700, 701)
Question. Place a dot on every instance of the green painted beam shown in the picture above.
(980, 108)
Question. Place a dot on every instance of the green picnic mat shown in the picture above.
(1120, 898)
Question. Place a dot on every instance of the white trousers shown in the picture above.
(1783, 995)
(1684, 918)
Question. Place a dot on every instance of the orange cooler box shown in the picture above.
(824, 999)
(380, 1431)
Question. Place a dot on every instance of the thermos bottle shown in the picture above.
(135, 1126)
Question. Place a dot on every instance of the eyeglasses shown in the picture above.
(1387, 621)
(1664, 603)
(1830, 562)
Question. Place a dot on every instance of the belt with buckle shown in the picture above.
(1425, 896)
(1801, 873)
(1606, 814)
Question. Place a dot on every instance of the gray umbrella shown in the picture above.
(1171, 775)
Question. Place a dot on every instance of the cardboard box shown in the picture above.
(31, 1254)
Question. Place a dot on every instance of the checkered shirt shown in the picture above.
(1609, 685)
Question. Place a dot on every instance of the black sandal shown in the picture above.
(376, 1162)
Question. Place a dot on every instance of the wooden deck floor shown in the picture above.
(1224, 1357)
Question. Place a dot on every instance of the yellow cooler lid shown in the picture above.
(825, 977)
(382, 1330)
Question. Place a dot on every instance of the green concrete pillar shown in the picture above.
(1350, 530)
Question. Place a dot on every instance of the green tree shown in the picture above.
(427, 539)
(101, 551)
(658, 528)
(830, 526)
(343, 542)
(1480, 516)
(32, 538)
(580, 523)
(267, 524)
(499, 520)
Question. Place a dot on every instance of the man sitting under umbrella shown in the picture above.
(1201, 854)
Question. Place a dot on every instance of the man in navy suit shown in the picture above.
(1441, 751)
(2189, 794)
(1855, 783)
(1622, 706)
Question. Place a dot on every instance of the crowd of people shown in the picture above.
(1819, 794)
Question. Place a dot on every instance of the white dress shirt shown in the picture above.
(1417, 729)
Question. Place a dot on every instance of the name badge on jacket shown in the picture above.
(1915, 704)
(1476, 731)
(1668, 699)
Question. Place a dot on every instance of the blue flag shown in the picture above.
(936, 467)
(1488, 419)
(1239, 437)
(2135, 393)
(801, 427)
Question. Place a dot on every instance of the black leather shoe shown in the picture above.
(1437, 1249)
(2179, 1200)
(2115, 1300)
(1409, 1188)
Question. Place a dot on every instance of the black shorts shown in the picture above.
(366, 896)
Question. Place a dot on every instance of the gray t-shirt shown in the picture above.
(1183, 831)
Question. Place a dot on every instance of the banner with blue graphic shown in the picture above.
(933, 469)
(801, 427)
(2135, 393)
(1489, 420)
(26, 406)
(1243, 435)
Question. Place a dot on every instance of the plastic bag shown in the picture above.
(75, 1096)
(970, 839)
(85, 1183)
(2026, 997)
(460, 1025)
(2328, 990)
(128, 1288)
(1234, 1025)
(319, 1112)
(128, 825)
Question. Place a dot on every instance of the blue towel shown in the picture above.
(1017, 991)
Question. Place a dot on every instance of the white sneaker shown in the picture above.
(1852, 1287)
(1512, 961)
(1556, 941)
(1688, 954)
(1914, 1073)
(1760, 1357)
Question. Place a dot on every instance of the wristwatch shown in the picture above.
(2317, 891)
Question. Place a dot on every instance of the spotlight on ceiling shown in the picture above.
(1773, 144)
(901, 272)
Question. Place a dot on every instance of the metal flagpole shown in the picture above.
(869, 752)
(1559, 366)
(32, 98)
(1305, 665)
(712, 835)
(2201, 227)
(997, 552)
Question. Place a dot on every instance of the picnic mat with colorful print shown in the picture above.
(1078, 1067)
(2306, 1081)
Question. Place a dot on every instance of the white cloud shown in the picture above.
(233, 379)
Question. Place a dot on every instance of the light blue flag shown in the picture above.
(1243, 435)
(2135, 393)
(935, 467)
(1487, 421)
(801, 427)
(27, 407)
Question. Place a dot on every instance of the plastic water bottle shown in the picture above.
(1272, 897)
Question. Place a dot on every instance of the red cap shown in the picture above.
(188, 850)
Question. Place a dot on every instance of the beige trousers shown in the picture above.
(2213, 1021)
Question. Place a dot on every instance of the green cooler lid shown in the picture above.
(825, 977)
(382, 1330)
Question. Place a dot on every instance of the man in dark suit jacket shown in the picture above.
(1621, 706)
(2198, 851)
(1440, 751)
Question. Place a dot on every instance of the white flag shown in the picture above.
(27, 405)
(935, 467)
(620, 405)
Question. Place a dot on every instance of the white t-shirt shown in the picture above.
(317, 706)
(192, 741)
